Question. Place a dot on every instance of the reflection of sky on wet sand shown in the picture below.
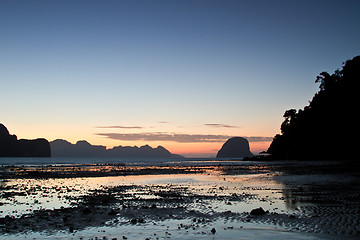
(21, 196)
(257, 190)
(317, 189)
(156, 231)
(150, 230)
(294, 199)
(273, 193)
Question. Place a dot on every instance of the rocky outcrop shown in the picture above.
(62, 148)
(236, 147)
(10, 146)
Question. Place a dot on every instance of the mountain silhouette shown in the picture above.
(327, 128)
(10, 146)
(236, 147)
(63, 148)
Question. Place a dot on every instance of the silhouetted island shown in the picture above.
(236, 147)
(63, 148)
(10, 146)
(327, 128)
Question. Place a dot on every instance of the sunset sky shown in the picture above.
(186, 75)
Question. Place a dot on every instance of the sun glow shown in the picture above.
(74, 133)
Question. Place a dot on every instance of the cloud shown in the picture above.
(121, 127)
(259, 139)
(219, 125)
(160, 136)
(176, 137)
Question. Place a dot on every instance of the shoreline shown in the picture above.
(290, 167)
(299, 199)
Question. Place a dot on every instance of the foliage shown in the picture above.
(327, 128)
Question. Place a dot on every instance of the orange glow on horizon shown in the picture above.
(209, 149)
(74, 133)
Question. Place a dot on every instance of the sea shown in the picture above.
(121, 161)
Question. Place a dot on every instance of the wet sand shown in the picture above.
(301, 200)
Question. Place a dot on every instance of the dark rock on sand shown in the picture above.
(213, 231)
(86, 211)
(10, 146)
(112, 212)
(236, 147)
(135, 221)
(257, 211)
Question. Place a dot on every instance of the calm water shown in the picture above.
(284, 189)
(212, 194)
(125, 161)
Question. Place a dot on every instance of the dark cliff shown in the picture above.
(326, 129)
(10, 146)
(236, 147)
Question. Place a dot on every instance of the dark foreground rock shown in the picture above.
(257, 211)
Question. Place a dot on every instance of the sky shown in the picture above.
(186, 75)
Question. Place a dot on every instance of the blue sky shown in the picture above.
(68, 67)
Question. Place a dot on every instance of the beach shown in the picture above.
(189, 200)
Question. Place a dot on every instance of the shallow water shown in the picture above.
(182, 206)
(27, 195)
(125, 161)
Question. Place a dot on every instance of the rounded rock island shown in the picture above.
(236, 147)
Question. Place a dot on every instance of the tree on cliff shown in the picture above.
(327, 128)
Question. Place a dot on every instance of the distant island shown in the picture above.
(63, 148)
(236, 147)
(327, 128)
(10, 146)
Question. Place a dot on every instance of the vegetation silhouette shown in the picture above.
(327, 128)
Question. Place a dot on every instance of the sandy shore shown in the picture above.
(300, 201)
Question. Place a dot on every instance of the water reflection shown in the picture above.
(155, 194)
(237, 193)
